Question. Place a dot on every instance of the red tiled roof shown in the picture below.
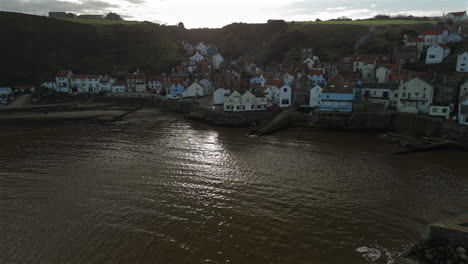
(430, 32)
(316, 72)
(62, 73)
(414, 40)
(273, 82)
(444, 46)
(396, 77)
(84, 76)
(457, 14)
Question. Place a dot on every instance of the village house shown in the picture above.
(462, 62)
(405, 55)
(315, 96)
(233, 102)
(207, 86)
(338, 95)
(271, 86)
(312, 62)
(211, 50)
(217, 60)
(63, 80)
(437, 53)
(463, 89)
(456, 16)
(5, 91)
(24, 89)
(247, 101)
(414, 42)
(136, 82)
(288, 79)
(176, 89)
(119, 87)
(201, 47)
(188, 48)
(454, 38)
(316, 76)
(106, 83)
(415, 96)
(463, 110)
(194, 90)
(81, 83)
(197, 57)
(379, 93)
(219, 94)
(433, 37)
(155, 85)
(437, 110)
(383, 73)
(282, 96)
(50, 85)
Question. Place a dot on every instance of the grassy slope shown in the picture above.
(34, 47)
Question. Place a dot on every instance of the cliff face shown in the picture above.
(33, 48)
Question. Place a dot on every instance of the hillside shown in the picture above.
(34, 47)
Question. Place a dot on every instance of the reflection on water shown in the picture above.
(179, 192)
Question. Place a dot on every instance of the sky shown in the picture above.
(218, 13)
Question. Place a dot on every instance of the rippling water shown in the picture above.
(172, 191)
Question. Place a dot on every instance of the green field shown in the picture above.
(100, 22)
(370, 22)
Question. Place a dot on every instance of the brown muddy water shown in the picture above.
(167, 190)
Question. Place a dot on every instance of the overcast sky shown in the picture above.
(217, 13)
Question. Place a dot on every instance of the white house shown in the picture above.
(433, 37)
(63, 79)
(368, 71)
(437, 53)
(119, 87)
(237, 102)
(282, 96)
(288, 79)
(219, 94)
(454, 37)
(463, 110)
(415, 96)
(311, 62)
(197, 57)
(202, 48)
(379, 93)
(416, 42)
(155, 85)
(216, 61)
(232, 102)
(382, 73)
(50, 85)
(457, 16)
(85, 83)
(464, 89)
(106, 83)
(194, 90)
(5, 91)
(440, 111)
(315, 95)
(207, 86)
(462, 62)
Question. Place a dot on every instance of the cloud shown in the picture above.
(42, 7)
(336, 8)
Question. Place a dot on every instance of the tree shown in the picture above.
(181, 25)
(114, 17)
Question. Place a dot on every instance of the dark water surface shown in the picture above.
(172, 191)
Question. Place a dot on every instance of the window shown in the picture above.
(285, 101)
(432, 56)
(285, 90)
(396, 95)
(444, 110)
(404, 94)
(434, 110)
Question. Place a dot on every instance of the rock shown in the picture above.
(460, 250)
(463, 257)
